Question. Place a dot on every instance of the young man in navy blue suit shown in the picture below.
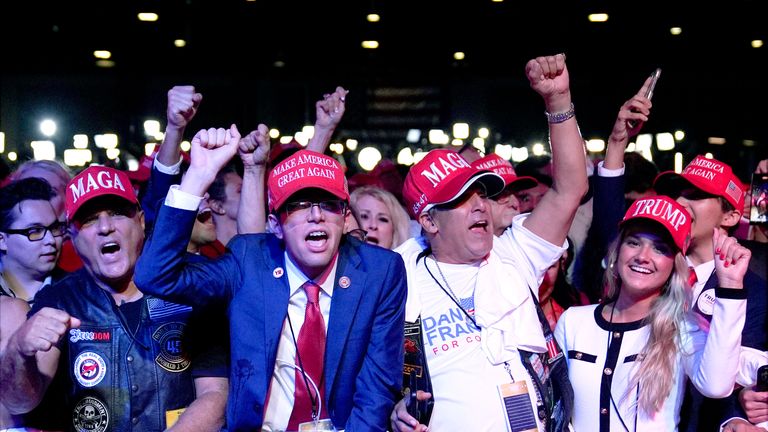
(265, 279)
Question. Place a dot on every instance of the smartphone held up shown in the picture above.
(648, 93)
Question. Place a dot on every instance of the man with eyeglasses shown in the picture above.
(126, 360)
(30, 242)
(315, 316)
(30, 238)
(714, 196)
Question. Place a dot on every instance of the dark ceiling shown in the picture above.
(713, 84)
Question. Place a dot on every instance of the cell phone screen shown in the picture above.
(654, 77)
(758, 212)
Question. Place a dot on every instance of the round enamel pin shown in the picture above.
(344, 282)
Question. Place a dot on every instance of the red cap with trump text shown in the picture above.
(708, 175)
(441, 177)
(302, 170)
(668, 213)
(96, 181)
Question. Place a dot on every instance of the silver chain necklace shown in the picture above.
(445, 281)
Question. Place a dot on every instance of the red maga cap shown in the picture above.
(504, 168)
(96, 181)
(667, 212)
(441, 177)
(708, 175)
(302, 170)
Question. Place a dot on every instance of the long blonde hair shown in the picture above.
(400, 219)
(659, 356)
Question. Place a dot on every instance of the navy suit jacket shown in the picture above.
(364, 348)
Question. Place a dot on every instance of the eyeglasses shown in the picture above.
(359, 234)
(37, 233)
(331, 206)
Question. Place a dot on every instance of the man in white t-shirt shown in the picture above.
(482, 337)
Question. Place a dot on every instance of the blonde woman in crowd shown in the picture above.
(381, 216)
(628, 357)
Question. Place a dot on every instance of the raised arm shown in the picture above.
(713, 369)
(183, 103)
(161, 269)
(328, 112)
(552, 217)
(182, 106)
(632, 116)
(254, 152)
(31, 358)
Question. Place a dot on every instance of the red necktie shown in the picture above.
(692, 279)
(310, 356)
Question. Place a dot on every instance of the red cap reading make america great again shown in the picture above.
(302, 170)
(668, 213)
(708, 175)
(96, 181)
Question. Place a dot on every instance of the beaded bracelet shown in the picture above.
(561, 116)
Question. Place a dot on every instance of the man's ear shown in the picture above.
(141, 220)
(3, 242)
(428, 224)
(274, 226)
(217, 207)
(730, 218)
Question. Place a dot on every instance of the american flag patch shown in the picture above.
(733, 190)
(552, 349)
(159, 309)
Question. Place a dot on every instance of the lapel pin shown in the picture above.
(277, 272)
(344, 282)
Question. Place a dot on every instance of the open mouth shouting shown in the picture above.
(317, 240)
(110, 251)
(479, 227)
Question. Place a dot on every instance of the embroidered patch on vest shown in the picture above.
(160, 309)
(90, 415)
(90, 368)
(77, 335)
(172, 355)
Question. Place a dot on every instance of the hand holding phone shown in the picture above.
(762, 379)
(648, 93)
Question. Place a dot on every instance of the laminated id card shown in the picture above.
(323, 425)
(517, 405)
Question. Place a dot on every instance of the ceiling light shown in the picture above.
(274, 133)
(43, 150)
(180, 43)
(757, 43)
(679, 135)
(373, 17)
(147, 16)
(461, 130)
(598, 17)
(80, 141)
(675, 31)
(665, 141)
(458, 55)
(483, 132)
(370, 44)
(12, 156)
(102, 54)
(716, 140)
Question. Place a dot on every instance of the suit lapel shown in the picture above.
(346, 297)
(275, 291)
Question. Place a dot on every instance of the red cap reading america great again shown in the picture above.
(305, 169)
(708, 175)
